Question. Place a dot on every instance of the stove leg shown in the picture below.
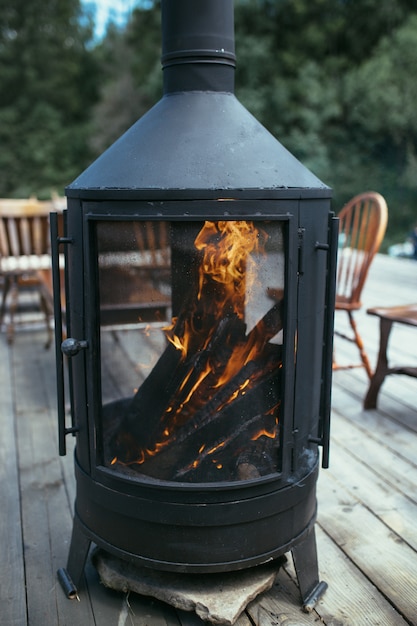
(79, 547)
(304, 555)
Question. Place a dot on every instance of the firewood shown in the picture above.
(221, 436)
(181, 407)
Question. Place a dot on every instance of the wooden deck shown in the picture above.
(366, 530)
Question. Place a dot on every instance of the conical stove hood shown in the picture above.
(198, 141)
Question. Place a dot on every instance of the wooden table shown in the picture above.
(388, 315)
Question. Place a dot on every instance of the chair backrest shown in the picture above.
(152, 239)
(24, 232)
(363, 221)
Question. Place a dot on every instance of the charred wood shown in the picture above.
(214, 445)
(181, 414)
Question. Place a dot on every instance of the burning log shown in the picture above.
(222, 436)
(215, 387)
(164, 391)
(151, 440)
(240, 424)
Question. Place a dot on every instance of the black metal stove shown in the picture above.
(215, 250)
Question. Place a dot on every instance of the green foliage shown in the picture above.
(379, 99)
(130, 61)
(48, 81)
(381, 91)
(333, 80)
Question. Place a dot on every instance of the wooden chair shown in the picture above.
(133, 283)
(363, 221)
(24, 250)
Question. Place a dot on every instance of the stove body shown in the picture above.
(193, 470)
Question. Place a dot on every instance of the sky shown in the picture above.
(115, 10)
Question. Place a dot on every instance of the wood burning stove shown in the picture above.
(214, 250)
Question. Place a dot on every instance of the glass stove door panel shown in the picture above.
(134, 271)
(191, 374)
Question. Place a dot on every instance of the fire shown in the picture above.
(264, 433)
(226, 274)
(142, 455)
(203, 454)
(180, 343)
(217, 358)
(216, 447)
(239, 391)
(226, 247)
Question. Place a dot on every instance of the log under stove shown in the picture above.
(212, 250)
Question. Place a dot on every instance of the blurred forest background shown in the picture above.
(333, 80)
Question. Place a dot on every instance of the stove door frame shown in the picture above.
(302, 265)
(284, 212)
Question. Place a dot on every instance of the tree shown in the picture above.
(48, 82)
(333, 81)
(131, 67)
(380, 98)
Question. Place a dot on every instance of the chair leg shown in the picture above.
(361, 348)
(10, 285)
(382, 368)
(14, 298)
(6, 289)
(47, 313)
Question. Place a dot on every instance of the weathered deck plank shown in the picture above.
(361, 534)
(46, 512)
(388, 460)
(350, 598)
(12, 577)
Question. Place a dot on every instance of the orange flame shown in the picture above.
(227, 272)
(264, 433)
(226, 247)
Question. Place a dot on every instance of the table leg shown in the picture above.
(381, 367)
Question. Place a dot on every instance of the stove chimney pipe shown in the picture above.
(198, 48)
